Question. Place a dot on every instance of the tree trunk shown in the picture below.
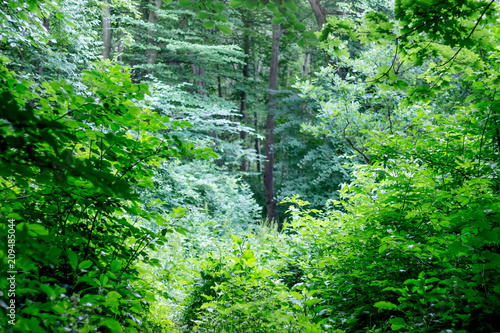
(106, 30)
(46, 25)
(243, 104)
(304, 65)
(119, 49)
(319, 12)
(219, 86)
(153, 20)
(257, 142)
(272, 213)
(199, 84)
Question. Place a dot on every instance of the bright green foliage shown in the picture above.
(205, 192)
(413, 243)
(52, 44)
(213, 119)
(70, 167)
(182, 40)
(418, 238)
(238, 295)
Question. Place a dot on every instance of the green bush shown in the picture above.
(70, 165)
(236, 294)
(415, 246)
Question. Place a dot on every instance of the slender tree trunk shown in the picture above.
(153, 20)
(106, 30)
(304, 64)
(319, 12)
(272, 213)
(119, 49)
(219, 86)
(257, 142)
(200, 84)
(46, 25)
(243, 104)
(203, 84)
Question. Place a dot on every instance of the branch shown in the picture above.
(366, 158)
(470, 34)
(90, 235)
(338, 12)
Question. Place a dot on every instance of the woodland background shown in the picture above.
(250, 166)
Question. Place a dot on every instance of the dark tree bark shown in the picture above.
(219, 86)
(153, 19)
(106, 30)
(257, 142)
(272, 213)
(319, 12)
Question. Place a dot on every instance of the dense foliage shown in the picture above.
(139, 141)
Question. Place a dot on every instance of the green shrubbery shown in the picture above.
(415, 248)
(71, 165)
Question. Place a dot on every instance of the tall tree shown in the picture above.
(106, 29)
(243, 95)
(152, 51)
(272, 213)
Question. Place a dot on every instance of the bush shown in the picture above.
(415, 246)
(67, 190)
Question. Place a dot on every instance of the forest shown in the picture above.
(249, 166)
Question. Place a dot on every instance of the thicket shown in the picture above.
(133, 184)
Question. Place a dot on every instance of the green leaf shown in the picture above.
(220, 17)
(237, 240)
(203, 15)
(251, 4)
(69, 89)
(278, 20)
(248, 254)
(213, 154)
(113, 294)
(225, 29)
(167, 2)
(73, 259)
(14, 216)
(134, 110)
(397, 323)
(184, 3)
(85, 264)
(497, 289)
(299, 26)
(385, 305)
(219, 7)
(290, 4)
(55, 85)
(209, 24)
(38, 229)
(236, 3)
(48, 290)
(21, 88)
(113, 325)
(116, 265)
(312, 301)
